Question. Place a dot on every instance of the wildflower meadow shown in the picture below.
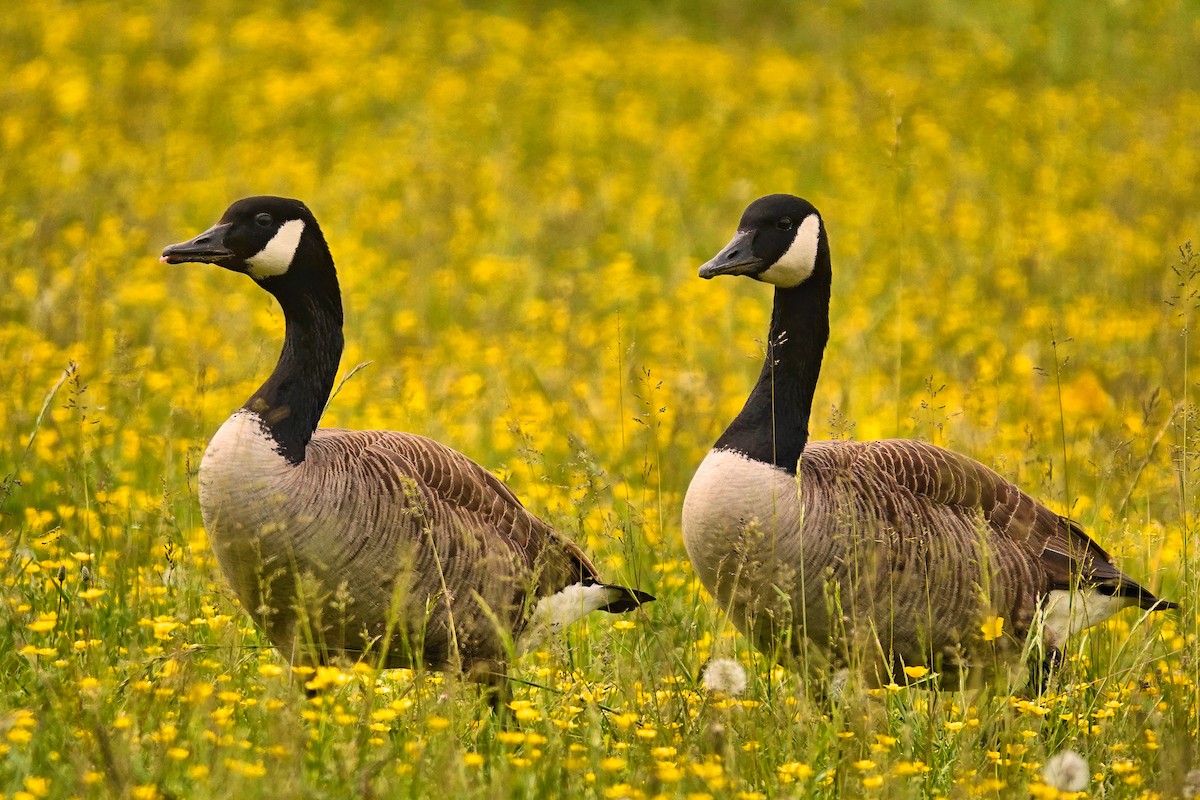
(517, 196)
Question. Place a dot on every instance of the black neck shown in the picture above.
(773, 425)
(293, 398)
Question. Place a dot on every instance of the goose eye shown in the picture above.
(264, 220)
(784, 224)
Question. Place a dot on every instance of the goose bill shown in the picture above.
(207, 248)
(735, 258)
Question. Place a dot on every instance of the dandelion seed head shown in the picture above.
(724, 675)
(838, 683)
(1067, 771)
(1191, 785)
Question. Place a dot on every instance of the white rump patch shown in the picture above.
(1066, 615)
(276, 257)
(794, 266)
(560, 609)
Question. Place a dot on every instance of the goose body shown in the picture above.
(895, 549)
(341, 542)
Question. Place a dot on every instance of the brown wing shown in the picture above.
(448, 479)
(1064, 553)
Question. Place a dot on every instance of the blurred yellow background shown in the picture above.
(517, 196)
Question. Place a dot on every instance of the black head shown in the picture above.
(260, 236)
(777, 242)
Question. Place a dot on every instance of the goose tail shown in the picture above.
(1144, 598)
(621, 599)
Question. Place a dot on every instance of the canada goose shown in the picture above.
(355, 542)
(896, 546)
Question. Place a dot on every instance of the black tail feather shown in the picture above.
(1144, 597)
(1152, 603)
(627, 600)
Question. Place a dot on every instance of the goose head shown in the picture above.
(268, 238)
(780, 240)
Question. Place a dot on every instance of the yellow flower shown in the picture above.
(1027, 707)
(669, 772)
(712, 773)
(472, 759)
(163, 626)
(37, 786)
(916, 672)
(247, 769)
(992, 628)
(907, 768)
(19, 736)
(326, 677)
(1123, 766)
(624, 721)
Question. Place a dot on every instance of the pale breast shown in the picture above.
(743, 530)
(729, 493)
(245, 500)
(299, 543)
(244, 481)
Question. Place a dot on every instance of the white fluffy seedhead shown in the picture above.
(724, 676)
(1067, 771)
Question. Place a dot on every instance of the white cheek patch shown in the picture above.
(276, 257)
(794, 266)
